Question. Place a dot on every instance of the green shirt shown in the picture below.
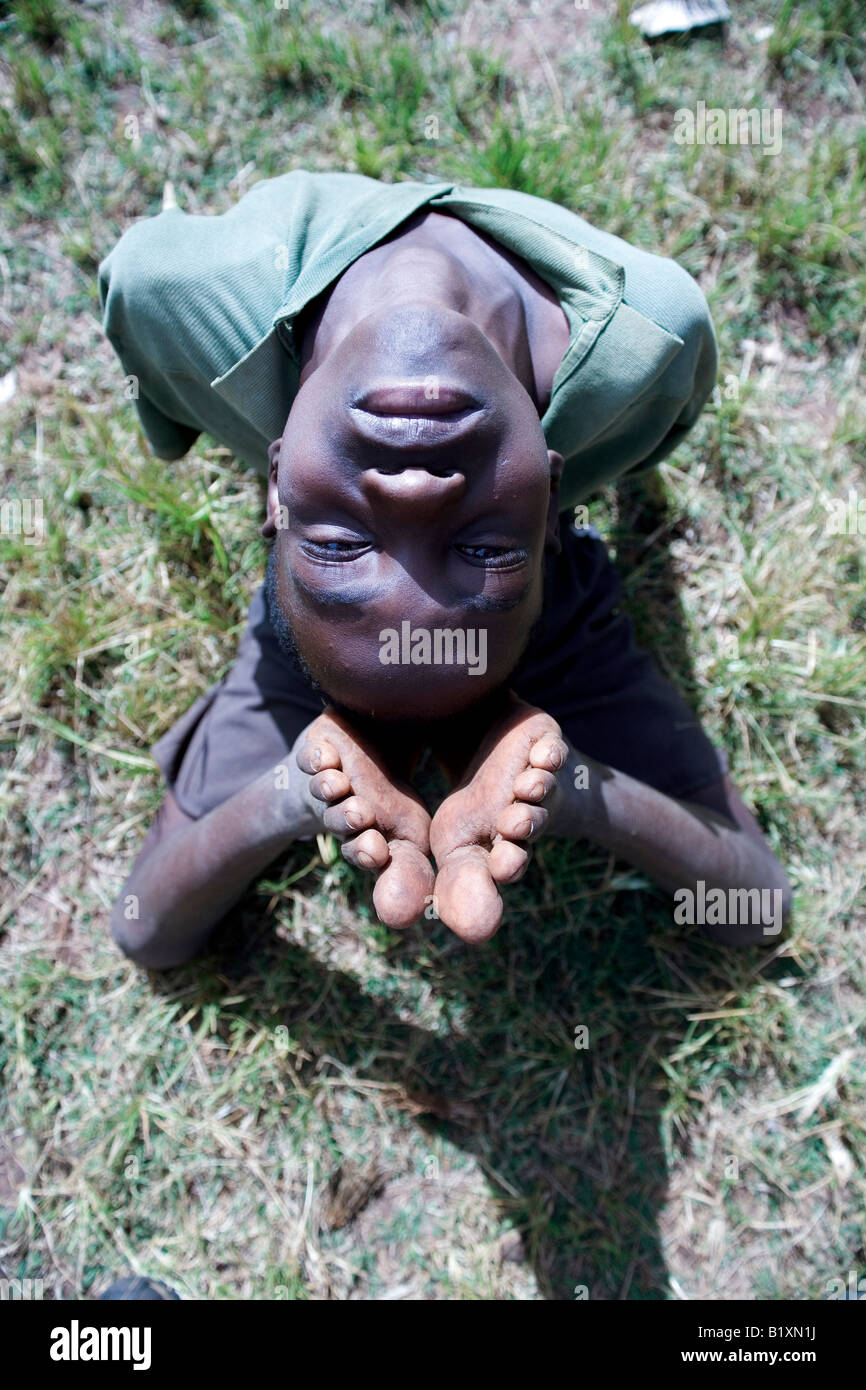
(201, 311)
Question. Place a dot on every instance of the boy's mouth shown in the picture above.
(415, 431)
(428, 399)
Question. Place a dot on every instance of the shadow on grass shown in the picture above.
(570, 1137)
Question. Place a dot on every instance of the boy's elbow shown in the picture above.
(145, 945)
(136, 948)
(760, 914)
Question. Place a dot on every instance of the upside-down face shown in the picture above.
(412, 486)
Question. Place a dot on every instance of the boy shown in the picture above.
(432, 376)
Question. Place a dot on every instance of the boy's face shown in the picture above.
(412, 485)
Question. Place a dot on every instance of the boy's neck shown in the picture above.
(436, 259)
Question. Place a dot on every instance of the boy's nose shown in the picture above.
(413, 491)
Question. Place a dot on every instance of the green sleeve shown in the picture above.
(186, 296)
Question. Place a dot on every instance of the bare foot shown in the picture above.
(479, 834)
(387, 823)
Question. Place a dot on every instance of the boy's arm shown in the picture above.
(712, 838)
(526, 780)
(190, 872)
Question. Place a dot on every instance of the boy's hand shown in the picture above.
(479, 834)
(387, 823)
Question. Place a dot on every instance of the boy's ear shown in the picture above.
(269, 530)
(552, 541)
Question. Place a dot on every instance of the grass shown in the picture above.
(323, 1108)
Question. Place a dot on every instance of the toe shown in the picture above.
(404, 887)
(367, 851)
(533, 785)
(349, 816)
(331, 785)
(466, 896)
(521, 821)
(317, 755)
(508, 862)
(549, 752)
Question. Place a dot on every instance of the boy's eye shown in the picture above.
(480, 552)
(493, 556)
(336, 549)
